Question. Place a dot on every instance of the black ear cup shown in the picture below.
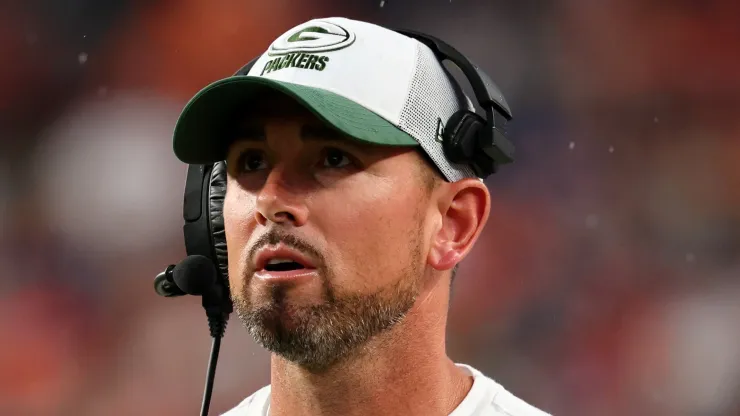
(216, 195)
(460, 136)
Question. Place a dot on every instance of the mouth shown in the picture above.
(282, 264)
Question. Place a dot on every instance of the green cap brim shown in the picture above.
(201, 134)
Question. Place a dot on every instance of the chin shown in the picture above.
(286, 296)
(277, 305)
(277, 320)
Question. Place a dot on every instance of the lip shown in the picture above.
(287, 277)
(267, 253)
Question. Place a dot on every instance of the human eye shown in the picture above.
(334, 158)
(251, 160)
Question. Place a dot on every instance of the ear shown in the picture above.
(464, 207)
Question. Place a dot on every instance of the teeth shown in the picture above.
(280, 261)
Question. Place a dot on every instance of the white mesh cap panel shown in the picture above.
(354, 71)
(433, 96)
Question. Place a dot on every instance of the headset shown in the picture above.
(468, 138)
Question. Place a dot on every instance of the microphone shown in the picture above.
(193, 276)
(164, 284)
(197, 275)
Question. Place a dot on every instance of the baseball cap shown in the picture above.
(371, 83)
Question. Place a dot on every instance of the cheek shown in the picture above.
(239, 224)
(369, 234)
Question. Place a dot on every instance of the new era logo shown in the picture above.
(439, 137)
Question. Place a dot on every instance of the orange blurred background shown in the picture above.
(606, 283)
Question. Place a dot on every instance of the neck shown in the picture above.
(403, 371)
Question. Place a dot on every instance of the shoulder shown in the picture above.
(488, 398)
(255, 405)
(508, 404)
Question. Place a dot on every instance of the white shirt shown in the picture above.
(485, 398)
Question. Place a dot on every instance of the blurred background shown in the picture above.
(606, 283)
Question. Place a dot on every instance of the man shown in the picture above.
(344, 222)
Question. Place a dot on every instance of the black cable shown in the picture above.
(196, 275)
(217, 327)
(211, 376)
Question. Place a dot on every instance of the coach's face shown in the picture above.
(352, 222)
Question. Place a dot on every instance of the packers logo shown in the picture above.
(316, 36)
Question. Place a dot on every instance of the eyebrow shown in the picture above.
(308, 132)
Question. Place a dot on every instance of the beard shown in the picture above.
(318, 336)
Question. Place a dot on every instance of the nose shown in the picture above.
(279, 202)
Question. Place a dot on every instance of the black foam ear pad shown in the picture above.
(216, 195)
